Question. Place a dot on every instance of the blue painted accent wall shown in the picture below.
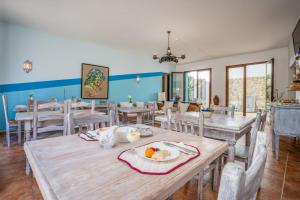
(120, 87)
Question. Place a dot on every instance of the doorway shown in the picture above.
(249, 87)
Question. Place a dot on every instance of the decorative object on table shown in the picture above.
(168, 160)
(138, 79)
(94, 82)
(168, 57)
(216, 100)
(108, 138)
(129, 98)
(207, 112)
(144, 130)
(27, 66)
(31, 97)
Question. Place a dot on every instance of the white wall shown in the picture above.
(281, 76)
(55, 57)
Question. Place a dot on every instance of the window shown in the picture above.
(198, 86)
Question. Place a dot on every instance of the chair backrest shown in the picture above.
(140, 104)
(188, 124)
(111, 106)
(255, 173)
(182, 107)
(260, 140)
(236, 184)
(30, 103)
(263, 121)
(82, 105)
(5, 109)
(167, 105)
(80, 120)
(232, 182)
(223, 110)
(125, 105)
(253, 138)
(51, 121)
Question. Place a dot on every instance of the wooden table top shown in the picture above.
(133, 110)
(222, 122)
(27, 116)
(68, 167)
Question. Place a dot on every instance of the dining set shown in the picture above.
(187, 145)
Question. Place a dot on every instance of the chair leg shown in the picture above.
(8, 136)
(277, 146)
(19, 132)
(27, 170)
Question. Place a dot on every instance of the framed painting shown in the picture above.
(94, 81)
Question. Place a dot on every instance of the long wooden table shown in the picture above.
(27, 118)
(224, 127)
(72, 168)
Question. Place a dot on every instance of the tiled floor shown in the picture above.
(281, 178)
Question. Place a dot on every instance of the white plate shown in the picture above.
(174, 153)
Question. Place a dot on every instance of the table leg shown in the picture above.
(19, 132)
(216, 175)
(231, 151)
(248, 138)
(200, 185)
(276, 146)
(27, 128)
(139, 118)
(125, 119)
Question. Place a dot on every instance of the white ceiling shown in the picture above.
(202, 29)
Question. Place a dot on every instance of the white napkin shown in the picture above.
(107, 138)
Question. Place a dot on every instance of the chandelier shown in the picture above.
(168, 57)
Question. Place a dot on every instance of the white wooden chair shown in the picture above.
(125, 104)
(113, 107)
(30, 103)
(140, 104)
(51, 121)
(263, 121)
(195, 125)
(11, 125)
(244, 153)
(183, 107)
(81, 105)
(80, 120)
(238, 184)
(223, 110)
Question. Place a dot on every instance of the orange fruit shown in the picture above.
(149, 152)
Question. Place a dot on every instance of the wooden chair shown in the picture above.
(81, 105)
(30, 103)
(11, 125)
(113, 107)
(80, 120)
(50, 121)
(183, 107)
(195, 125)
(263, 121)
(238, 184)
(244, 153)
(223, 110)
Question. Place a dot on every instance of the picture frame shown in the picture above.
(94, 81)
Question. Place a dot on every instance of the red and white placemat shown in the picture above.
(146, 166)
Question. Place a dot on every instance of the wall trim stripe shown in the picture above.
(65, 82)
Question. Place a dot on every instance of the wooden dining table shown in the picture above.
(224, 127)
(133, 110)
(27, 118)
(73, 168)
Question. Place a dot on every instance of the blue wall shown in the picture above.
(120, 87)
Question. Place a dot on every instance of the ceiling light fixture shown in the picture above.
(27, 66)
(168, 57)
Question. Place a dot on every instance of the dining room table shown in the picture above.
(27, 118)
(77, 169)
(139, 111)
(223, 127)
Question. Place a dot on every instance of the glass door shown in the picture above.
(249, 87)
(235, 88)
